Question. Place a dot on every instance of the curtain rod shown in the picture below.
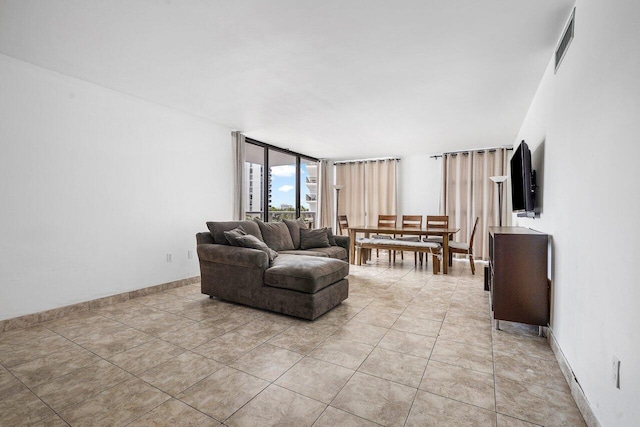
(344, 162)
(508, 148)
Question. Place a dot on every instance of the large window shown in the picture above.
(279, 184)
(309, 190)
(253, 181)
(282, 182)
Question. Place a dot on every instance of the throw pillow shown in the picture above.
(294, 229)
(314, 238)
(232, 235)
(249, 241)
(217, 229)
(276, 235)
(332, 239)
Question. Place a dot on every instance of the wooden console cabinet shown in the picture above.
(518, 275)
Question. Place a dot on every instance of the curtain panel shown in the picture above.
(237, 139)
(467, 193)
(370, 189)
(381, 191)
(351, 197)
(325, 195)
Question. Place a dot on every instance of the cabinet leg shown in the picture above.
(540, 331)
(497, 325)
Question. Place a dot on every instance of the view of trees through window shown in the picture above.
(288, 189)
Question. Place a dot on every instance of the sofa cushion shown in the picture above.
(317, 238)
(232, 235)
(276, 235)
(252, 242)
(308, 252)
(218, 228)
(305, 274)
(294, 229)
(332, 252)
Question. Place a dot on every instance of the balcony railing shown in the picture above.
(275, 216)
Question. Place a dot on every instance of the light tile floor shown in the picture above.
(407, 348)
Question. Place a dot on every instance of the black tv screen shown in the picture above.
(522, 185)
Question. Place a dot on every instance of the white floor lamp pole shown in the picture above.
(499, 180)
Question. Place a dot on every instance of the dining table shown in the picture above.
(367, 230)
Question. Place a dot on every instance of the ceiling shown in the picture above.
(333, 79)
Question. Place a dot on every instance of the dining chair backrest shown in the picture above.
(411, 221)
(387, 221)
(473, 234)
(465, 248)
(437, 221)
(343, 223)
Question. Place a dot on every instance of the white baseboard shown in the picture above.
(574, 385)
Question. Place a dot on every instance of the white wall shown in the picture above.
(588, 115)
(97, 187)
(419, 182)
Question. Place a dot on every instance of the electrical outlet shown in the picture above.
(169, 257)
(190, 254)
(615, 373)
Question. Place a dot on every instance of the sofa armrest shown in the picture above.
(204, 237)
(232, 255)
(343, 242)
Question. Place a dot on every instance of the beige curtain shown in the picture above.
(237, 139)
(469, 193)
(325, 195)
(351, 199)
(370, 189)
(380, 178)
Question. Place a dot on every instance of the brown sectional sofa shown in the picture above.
(299, 282)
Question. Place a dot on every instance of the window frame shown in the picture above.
(265, 174)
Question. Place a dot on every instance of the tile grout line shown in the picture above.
(427, 365)
(415, 395)
(352, 375)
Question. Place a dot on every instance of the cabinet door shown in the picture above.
(520, 278)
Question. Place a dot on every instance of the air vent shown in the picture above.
(567, 36)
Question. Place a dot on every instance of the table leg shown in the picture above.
(352, 246)
(445, 253)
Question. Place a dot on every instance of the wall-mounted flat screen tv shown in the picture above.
(523, 181)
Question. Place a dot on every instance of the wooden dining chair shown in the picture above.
(386, 221)
(415, 222)
(343, 224)
(436, 221)
(464, 248)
